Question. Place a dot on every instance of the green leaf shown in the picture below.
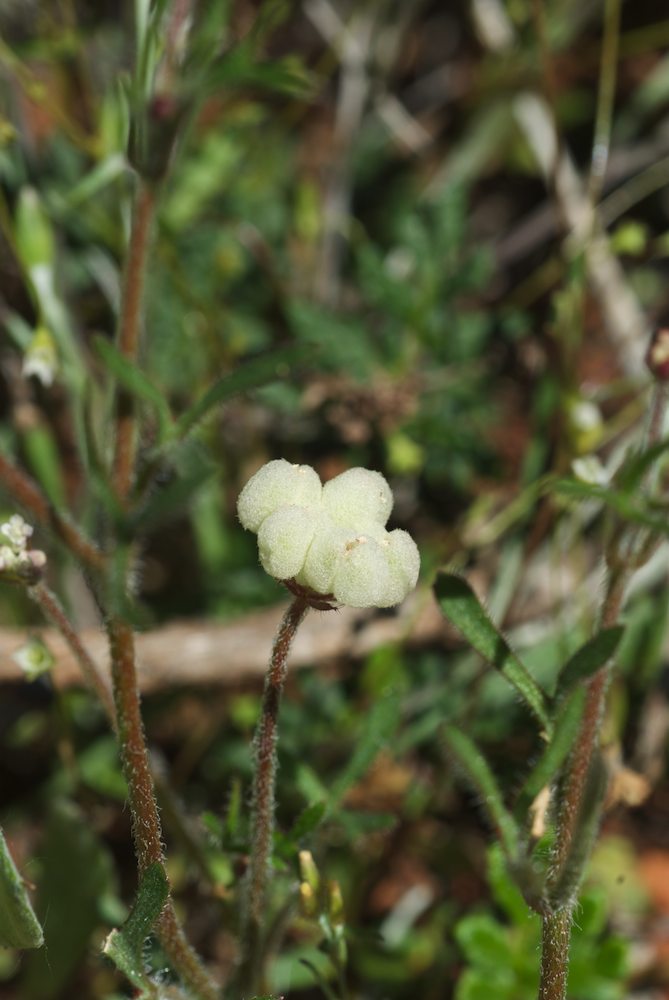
(76, 881)
(19, 927)
(590, 658)
(484, 942)
(125, 945)
(633, 470)
(133, 380)
(621, 503)
(544, 771)
(460, 605)
(479, 775)
(252, 374)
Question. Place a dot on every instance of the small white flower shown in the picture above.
(17, 531)
(34, 658)
(19, 564)
(330, 539)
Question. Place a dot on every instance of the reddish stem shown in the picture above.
(264, 780)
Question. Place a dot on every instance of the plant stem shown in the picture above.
(146, 828)
(129, 332)
(27, 494)
(264, 780)
(54, 611)
(622, 563)
(556, 932)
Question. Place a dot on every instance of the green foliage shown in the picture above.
(19, 927)
(460, 605)
(501, 957)
(75, 881)
(125, 946)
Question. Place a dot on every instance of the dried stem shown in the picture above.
(264, 779)
(55, 613)
(129, 333)
(27, 494)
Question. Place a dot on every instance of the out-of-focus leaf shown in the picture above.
(483, 941)
(250, 375)
(477, 771)
(633, 470)
(239, 68)
(551, 760)
(76, 877)
(621, 503)
(590, 658)
(377, 731)
(133, 380)
(166, 501)
(19, 927)
(124, 946)
(44, 459)
(460, 605)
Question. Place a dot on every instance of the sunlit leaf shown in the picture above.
(460, 605)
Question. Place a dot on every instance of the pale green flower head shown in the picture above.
(277, 484)
(330, 541)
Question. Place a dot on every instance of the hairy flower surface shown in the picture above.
(331, 539)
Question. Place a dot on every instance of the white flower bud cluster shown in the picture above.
(330, 539)
(16, 560)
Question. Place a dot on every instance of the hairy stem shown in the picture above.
(556, 932)
(264, 779)
(130, 323)
(27, 494)
(146, 828)
(623, 560)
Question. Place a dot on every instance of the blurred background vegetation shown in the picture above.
(404, 190)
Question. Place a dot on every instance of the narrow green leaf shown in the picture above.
(479, 775)
(587, 660)
(460, 605)
(125, 945)
(621, 503)
(133, 380)
(545, 770)
(19, 927)
(634, 468)
(251, 375)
